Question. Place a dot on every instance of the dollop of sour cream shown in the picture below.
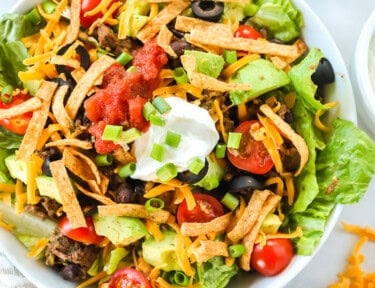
(198, 138)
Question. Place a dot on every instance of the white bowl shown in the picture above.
(363, 74)
(316, 35)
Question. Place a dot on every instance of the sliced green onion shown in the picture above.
(210, 183)
(234, 140)
(131, 69)
(236, 250)
(127, 170)
(93, 270)
(154, 204)
(157, 152)
(172, 139)
(195, 165)
(230, 201)
(129, 135)
(148, 110)
(124, 58)
(180, 279)
(48, 6)
(167, 172)
(156, 120)
(7, 94)
(161, 105)
(111, 133)
(230, 56)
(180, 76)
(34, 17)
(220, 150)
(104, 159)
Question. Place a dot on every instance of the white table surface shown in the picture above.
(344, 19)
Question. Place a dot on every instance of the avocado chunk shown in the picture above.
(271, 224)
(47, 187)
(120, 230)
(207, 63)
(17, 168)
(162, 253)
(262, 75)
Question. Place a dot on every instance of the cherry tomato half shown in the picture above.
(86, 235)
(17, 124)
(247, 31)
(252, 156)
(88, 5)
(128, 277)
(272, 258)
(207, 208)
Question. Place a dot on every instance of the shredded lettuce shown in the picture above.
(344, 169)
(215, 273)
(282, 20)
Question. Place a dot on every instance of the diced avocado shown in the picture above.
(271, 224)
(262, 76)
(134, 17)
(162, 253)
(47, 187)
(238, 11)
(216, 171)
(120, 230)
(17, 168)
(207, 63)
(32, 86)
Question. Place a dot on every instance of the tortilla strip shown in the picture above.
(98, 197)
(73, 29)
(86, 145)
(208, 48)
(217, 225)
(260, 46)
(186, 24)
(37, 122)
(80, 165)
(133, 210)
(164, 39)
(162, 18)
(206, 82)
(67, 194)
(249, 239)
(249, 217)
(58, 108)
(208, 249)
(287, 131)
(24, 107)
(79, 93)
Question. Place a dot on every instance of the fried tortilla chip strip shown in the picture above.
(164, 39)
(24, 107)
(134, 210)
(186, 24)
(208, 249)
(68, 196)
(79, 93)
(287, 131)
(98, 197)
(249, 239)
(86, 145)
(217, 225)
(210, 36)
(249, 217)
(58, 108)
(75, 24)
(37, 122)
(162, 18)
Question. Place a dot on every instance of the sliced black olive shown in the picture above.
(84, 58)
(191, 178)
(324, 73)
(62, 82)
(207, 10)
(243, 182)
(49, 157)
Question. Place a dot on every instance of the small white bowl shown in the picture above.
(363, 75)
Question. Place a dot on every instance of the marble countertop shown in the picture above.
(344, 20)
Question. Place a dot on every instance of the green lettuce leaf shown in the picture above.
(345, 167)
(215, 273)
(344, 170)
(11, 57)
(282, 20)
(9, 140)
